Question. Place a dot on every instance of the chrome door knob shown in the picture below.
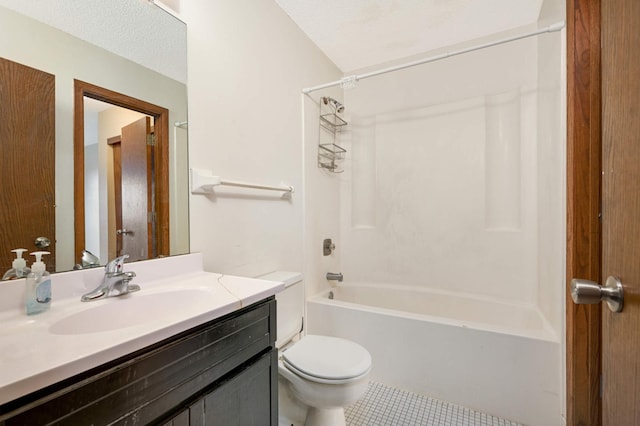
(590, 292)
(42, 242)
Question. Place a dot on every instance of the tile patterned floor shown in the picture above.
(383, 405)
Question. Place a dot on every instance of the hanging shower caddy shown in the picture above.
(329, 152)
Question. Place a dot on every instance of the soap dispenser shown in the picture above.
(38, 295)
(19, 267)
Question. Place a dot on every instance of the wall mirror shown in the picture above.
(124, 85)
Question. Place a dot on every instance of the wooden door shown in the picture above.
(137, 190)
(621, 208)
(27, 166)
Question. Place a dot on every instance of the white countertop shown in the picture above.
(74, 336)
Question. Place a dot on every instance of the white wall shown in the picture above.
(247, 65)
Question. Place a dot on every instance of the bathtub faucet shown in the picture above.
(331, 276)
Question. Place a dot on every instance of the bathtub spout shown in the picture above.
(332, 276)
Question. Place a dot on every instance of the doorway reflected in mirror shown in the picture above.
(119, 182)
(122, 182)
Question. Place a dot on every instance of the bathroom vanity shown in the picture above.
(215, 362)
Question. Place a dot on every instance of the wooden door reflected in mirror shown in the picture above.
(27, 169)
(133, 154)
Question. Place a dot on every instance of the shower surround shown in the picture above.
(453, 182)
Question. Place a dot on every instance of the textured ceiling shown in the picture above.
(356, 34)
(134, 29)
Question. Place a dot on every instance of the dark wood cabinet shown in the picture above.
(222, 372)
(241, 400)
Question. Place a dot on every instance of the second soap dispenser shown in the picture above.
(38, 295)
(18, 267)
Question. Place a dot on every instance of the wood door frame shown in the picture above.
(161, 128)
(584, 166)
(115, 143)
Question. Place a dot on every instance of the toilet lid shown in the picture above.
(328, 358)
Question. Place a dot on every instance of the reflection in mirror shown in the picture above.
(27, 193)
(66, 58)
(124, 146)
(119, 153)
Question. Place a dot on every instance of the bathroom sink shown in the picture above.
(134, 309)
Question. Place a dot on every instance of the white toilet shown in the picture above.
(324, 373)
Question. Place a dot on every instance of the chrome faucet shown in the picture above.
(332, 276)
(115, 281)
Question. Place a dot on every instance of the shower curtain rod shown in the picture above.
(350, 80)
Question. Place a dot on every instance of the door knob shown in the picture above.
(124, 231)
(590, 292)
(42, 242)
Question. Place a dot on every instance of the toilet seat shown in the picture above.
(325, 359)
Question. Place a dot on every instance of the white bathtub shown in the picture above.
(499, 358)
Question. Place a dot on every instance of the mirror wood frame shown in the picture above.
(161, 129)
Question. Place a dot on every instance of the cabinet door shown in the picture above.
(182, 419)
(249, 398)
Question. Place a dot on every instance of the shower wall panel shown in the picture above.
(363, 172)
(502, 161)
(440, 187)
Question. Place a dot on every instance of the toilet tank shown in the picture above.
(289, 305)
